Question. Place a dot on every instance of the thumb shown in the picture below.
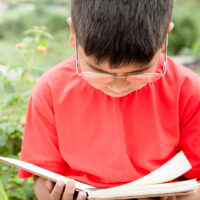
(49, 185)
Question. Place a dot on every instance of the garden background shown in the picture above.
(34, 37)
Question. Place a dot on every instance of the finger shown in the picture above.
(167, 198)
(170, 198)
(82, 196)
(57, 191)
(69, 190)
(50, 185)
(155, 198)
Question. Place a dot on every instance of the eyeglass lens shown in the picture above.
(106, 78)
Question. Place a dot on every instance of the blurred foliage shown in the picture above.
(20, 17)
(185, 38)
(16, 82)
(3, 195)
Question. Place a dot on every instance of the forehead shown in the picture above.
(104, 65)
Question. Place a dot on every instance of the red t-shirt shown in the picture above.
(78, 131)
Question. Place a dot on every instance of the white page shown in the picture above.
(148, 190)
(174, 168)
(43, 172)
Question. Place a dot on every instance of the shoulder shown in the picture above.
(187, 84)
(181, 73)
(60, 72)
(182, 77)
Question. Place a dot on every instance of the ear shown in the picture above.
(72, 33)
(170, 29)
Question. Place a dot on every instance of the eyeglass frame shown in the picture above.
(126, 76)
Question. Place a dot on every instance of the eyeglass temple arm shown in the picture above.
(166, 49)
(77, 62)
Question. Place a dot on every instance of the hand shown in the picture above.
(63, 191)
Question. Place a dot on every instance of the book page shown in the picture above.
(42, 172)
(173, 169)
(156, 190)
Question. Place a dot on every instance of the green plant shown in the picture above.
(196, 48)
(185, 37)
(3, 195)
(16, 82)
(16, 20)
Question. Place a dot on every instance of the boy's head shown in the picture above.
(112, 34)
(124, 31)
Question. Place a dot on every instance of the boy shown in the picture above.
(117, 110)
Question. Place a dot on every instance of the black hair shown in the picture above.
(122, 31)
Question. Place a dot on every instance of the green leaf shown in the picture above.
(3, 62)
(1, 74)
(43, 42)
(29, 31)
(3, 195)
(15, 67)
(3, 139)
(48, 35)
(5, 177)
(27, 41)
(23, 75)
(9, 88)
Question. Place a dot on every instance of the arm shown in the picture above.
(45, 190)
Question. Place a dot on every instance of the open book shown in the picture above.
(151, 185)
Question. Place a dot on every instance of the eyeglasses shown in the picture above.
(144, 78)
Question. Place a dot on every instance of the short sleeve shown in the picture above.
(40, 141)
(190, 124)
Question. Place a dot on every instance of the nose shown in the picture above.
(119, 85)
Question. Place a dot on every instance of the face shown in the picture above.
(117, 87)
